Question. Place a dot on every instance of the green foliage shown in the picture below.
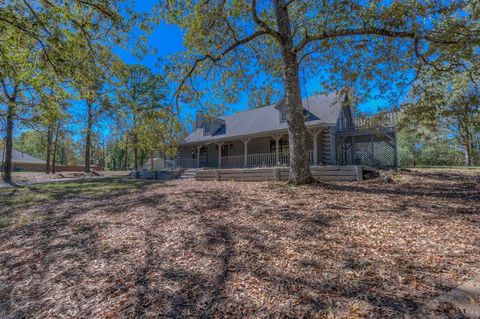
(448, 103)
(263, 97)
(161, 132)
(146, 119)
(34, 142)
(48, 49)
(117, 157)
(417, 148)
(372, 46)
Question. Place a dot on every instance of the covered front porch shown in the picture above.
(257, 151)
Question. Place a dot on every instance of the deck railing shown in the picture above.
(383, 119)
(233, 161)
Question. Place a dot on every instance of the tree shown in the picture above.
(138, 93)
(160, 131)
(44, 43)
(262, 97)
(51, 112)
(18, 76)
(419, 146)
(96, 85)
(354, 40)
(448, 102)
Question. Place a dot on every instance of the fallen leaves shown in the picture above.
(246, 250)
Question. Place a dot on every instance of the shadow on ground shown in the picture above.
(186, 249)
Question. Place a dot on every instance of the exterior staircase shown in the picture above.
(189, 173)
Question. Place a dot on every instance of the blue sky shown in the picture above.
(167, 40)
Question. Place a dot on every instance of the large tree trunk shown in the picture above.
(54, 157)
(152, 162)
(88, 137)
(135, 141)
(467, 152)
(135, 151)
(465, 139)
(299, 166)
(125, 164)
(49, 148)
(7, 165)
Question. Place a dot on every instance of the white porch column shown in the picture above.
(220, 144)
(314, 134)
(333, 146)
(245, 151)
(198, 155)
(277, 138)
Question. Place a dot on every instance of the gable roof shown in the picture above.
(323, 109)
(20, 157)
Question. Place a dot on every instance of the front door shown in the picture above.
(203, 157)
(225, 150)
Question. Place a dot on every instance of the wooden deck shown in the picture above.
(331, 172)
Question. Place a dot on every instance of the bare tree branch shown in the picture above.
(99, 8)
(262, 23)
(286, 4)
(351, 32)
(36, 37)
(366, 31)
(216, 58)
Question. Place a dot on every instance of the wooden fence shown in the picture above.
(333, 173)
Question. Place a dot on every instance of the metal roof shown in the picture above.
(324, 110)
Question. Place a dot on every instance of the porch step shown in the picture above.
(188, 174)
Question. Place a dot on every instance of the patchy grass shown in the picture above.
(17, 200)
(123, 248)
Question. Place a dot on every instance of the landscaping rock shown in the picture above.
(384, 177)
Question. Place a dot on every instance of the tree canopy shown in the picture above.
(376, 47)
(56, 51)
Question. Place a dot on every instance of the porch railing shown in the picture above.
(260, 160)
(233, 161)
(383, 119)
(253, 160)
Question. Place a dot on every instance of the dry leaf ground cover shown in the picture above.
(120, 248)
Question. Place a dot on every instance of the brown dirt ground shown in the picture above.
(187, 249)
(36, 177)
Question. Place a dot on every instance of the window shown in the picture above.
(283, 116)
(282, 145)
(225, 150)
(206, 128)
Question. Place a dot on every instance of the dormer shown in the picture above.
(281, 107)
(282, 110)
(210, 126)
(213, 126)
(345, 117)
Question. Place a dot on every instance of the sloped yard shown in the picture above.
(127, 248)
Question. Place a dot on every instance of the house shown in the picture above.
(158, 163)
(259, 137)
(24, 162)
